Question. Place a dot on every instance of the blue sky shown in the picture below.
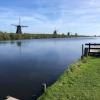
(81, 16)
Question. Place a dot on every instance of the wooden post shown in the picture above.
(89, 47)
(86, 52)
(82, 51)
(44, 87)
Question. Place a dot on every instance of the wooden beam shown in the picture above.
(93, 44)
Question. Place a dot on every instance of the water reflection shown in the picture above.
(19, 43)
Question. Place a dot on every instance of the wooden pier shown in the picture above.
(92, 49)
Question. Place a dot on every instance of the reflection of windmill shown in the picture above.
(19, 27)
(19, 44)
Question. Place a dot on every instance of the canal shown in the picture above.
(26, 64)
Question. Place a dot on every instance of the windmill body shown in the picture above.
(19, 28)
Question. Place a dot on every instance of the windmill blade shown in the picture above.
(14, 25)
(24, 26)
(19, 21)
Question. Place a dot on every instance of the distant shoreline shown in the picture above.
(12, 36)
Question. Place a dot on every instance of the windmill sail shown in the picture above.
(14, 25)
(24, 26)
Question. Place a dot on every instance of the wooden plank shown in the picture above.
(94, 51)
(92, 44)
(94, 48)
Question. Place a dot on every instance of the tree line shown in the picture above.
(13, 36)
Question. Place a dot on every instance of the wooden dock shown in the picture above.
(92, 49)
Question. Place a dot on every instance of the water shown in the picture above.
(26, 64)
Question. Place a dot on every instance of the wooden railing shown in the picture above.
(92, 49)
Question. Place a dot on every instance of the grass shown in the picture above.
(80, 82)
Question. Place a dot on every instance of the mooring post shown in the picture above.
(82, 51)
(86, 52)
(44, 87)
(89, 47)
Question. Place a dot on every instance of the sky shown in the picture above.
(44, 16)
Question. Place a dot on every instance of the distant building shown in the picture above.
(68, 34)
(55, 32)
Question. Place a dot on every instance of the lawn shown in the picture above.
(80, 82)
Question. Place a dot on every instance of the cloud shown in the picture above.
(45, 15)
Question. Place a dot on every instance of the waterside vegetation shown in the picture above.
(81, 81)
(13, 36)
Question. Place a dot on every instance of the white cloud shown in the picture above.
(63, 15)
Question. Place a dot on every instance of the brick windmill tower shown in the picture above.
(19, 27)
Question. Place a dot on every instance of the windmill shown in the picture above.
(19, 27)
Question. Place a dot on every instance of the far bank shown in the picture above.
(13, 36)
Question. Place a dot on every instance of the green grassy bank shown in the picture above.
(80, 82)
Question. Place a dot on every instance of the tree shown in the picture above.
(63, 35)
